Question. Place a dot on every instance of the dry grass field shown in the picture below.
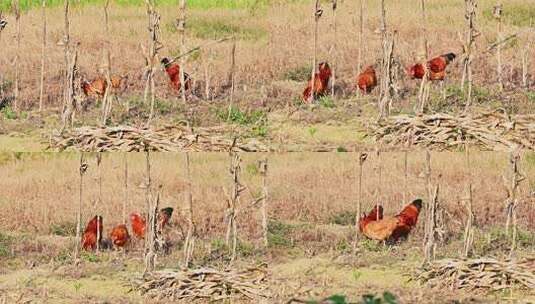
(312, 201)
(312, 205)
(273, 61)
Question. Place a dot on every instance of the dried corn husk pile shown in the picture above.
(495, 130)
(166, 139)
(204, 283)
(480, 273)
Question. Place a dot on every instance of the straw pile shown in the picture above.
(204, 284)
(166, 139)
(495, 131)
(480, 273)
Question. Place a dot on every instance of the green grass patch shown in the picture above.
(279, 234)
(219, 28)
(301, 73)
(63, 229)
(514, 14)
(251, 5)
(5, 245)
(344, 218)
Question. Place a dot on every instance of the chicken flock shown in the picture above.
(367, 79)
(119, 236)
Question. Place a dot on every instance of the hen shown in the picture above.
(119, 236)
(139, 223)
(97, 87)
(321, 83)
(394, 228)
(164, 216)
(436, 66)
(173, 71)
(367, 80)
(374, 215)
(92, 233)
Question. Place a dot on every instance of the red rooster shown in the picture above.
(374, 215)
(436, 66)
(321, 83)
(92, 233)
(139, 223)
(367, 80)
(173, 71)
(119, 236)
(394, 228)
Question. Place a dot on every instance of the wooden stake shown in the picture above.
(470, 15)
(43, 56)
(265, 196)
(232, 77)
(125, 201)
(516, 177)
(430, 214)
(106, 100)
(181, 24)
(232, 203)
(150, 55)
(317, 15)
(189, 243)
(81, 169)
(469, 229)
(360, 39)
(335, 50)
(497, 13)
(362, 158)
(16, 9)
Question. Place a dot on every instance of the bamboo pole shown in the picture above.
(43, 56)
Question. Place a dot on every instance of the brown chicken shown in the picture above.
(367, 80)
(436, 66)
(374, 215)
(164, 216)
(394, 228)
(92, 233)
(97, 87)
(321, 83)
(173, 71)
(119, 236)
(139, 223)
